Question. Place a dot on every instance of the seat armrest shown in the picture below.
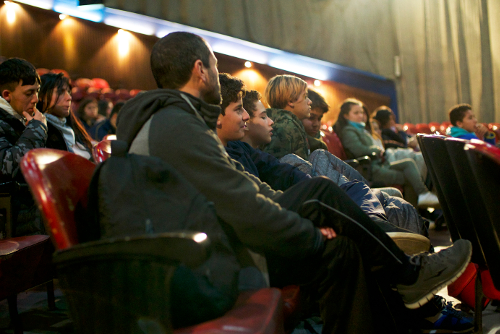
(354, 163)
(189, 248)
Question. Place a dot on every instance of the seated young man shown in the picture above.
(465, 125)
(22, 128)
(176, 124)
(312, 124)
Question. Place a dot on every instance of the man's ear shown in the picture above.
(6, 95)
(200, 71)
(460, 124)
(290, 104)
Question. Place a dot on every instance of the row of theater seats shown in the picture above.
(466, 175)
(440, 128)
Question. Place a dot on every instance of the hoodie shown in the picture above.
(180, 129)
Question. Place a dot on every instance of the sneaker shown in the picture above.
(427, 199)
(410, 243)
(436, 271)
(450, 320)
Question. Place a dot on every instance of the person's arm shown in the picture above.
(33, 136)
(353, 143)
(278, 175)
(184, 142)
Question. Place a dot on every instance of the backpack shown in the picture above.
(133, 194)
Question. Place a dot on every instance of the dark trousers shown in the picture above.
(340, 278)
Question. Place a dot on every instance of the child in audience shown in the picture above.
(87, 112)
(465, 125)
(312, 124)
(351, 130)
(397, 144)
(54, 100)
(108, 126)
(290, 104)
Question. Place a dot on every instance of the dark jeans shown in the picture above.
(340, 277)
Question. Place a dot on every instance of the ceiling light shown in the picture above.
(248, 64)
(317, 83)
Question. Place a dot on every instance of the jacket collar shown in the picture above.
(8, 108)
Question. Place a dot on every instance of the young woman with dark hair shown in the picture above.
(65, 132)
(350, 127)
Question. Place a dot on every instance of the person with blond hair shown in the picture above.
(287, 97)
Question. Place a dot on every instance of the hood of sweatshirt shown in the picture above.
(138, 110)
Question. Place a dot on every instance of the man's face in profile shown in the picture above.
(211, 93)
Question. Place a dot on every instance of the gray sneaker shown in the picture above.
(436, 271)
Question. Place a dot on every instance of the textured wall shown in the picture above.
(449, 49)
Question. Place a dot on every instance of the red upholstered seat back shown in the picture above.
(102, 150)
(334, 145)
(59, 182)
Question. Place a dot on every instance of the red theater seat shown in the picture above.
(423, 128)
(102, 150)
(99, 83)
(410, 128)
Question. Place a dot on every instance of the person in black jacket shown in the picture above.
(22, 128)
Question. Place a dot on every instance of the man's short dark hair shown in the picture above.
(251, 97)
(231, 89)
(173, 58)
(13, 70)
(318, 101)
(457, 113)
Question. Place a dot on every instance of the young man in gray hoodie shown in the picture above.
(333, 252)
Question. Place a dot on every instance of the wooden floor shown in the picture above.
(38, 319)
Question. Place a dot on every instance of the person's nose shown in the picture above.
(246, 116)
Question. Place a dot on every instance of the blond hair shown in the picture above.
(282, 89)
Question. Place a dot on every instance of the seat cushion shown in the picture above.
(257, 312)
(24, 263)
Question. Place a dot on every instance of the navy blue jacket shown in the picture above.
(265, 166)
(281, 176)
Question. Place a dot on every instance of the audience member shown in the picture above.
(54, 100)
(104, 108)
(393, 134)
(351, 130)
(177, 124)
(465, 125)
(22, 128)
(87, 112)
(398, 145)
(287, 97)
(107, 127)
(312, 124)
